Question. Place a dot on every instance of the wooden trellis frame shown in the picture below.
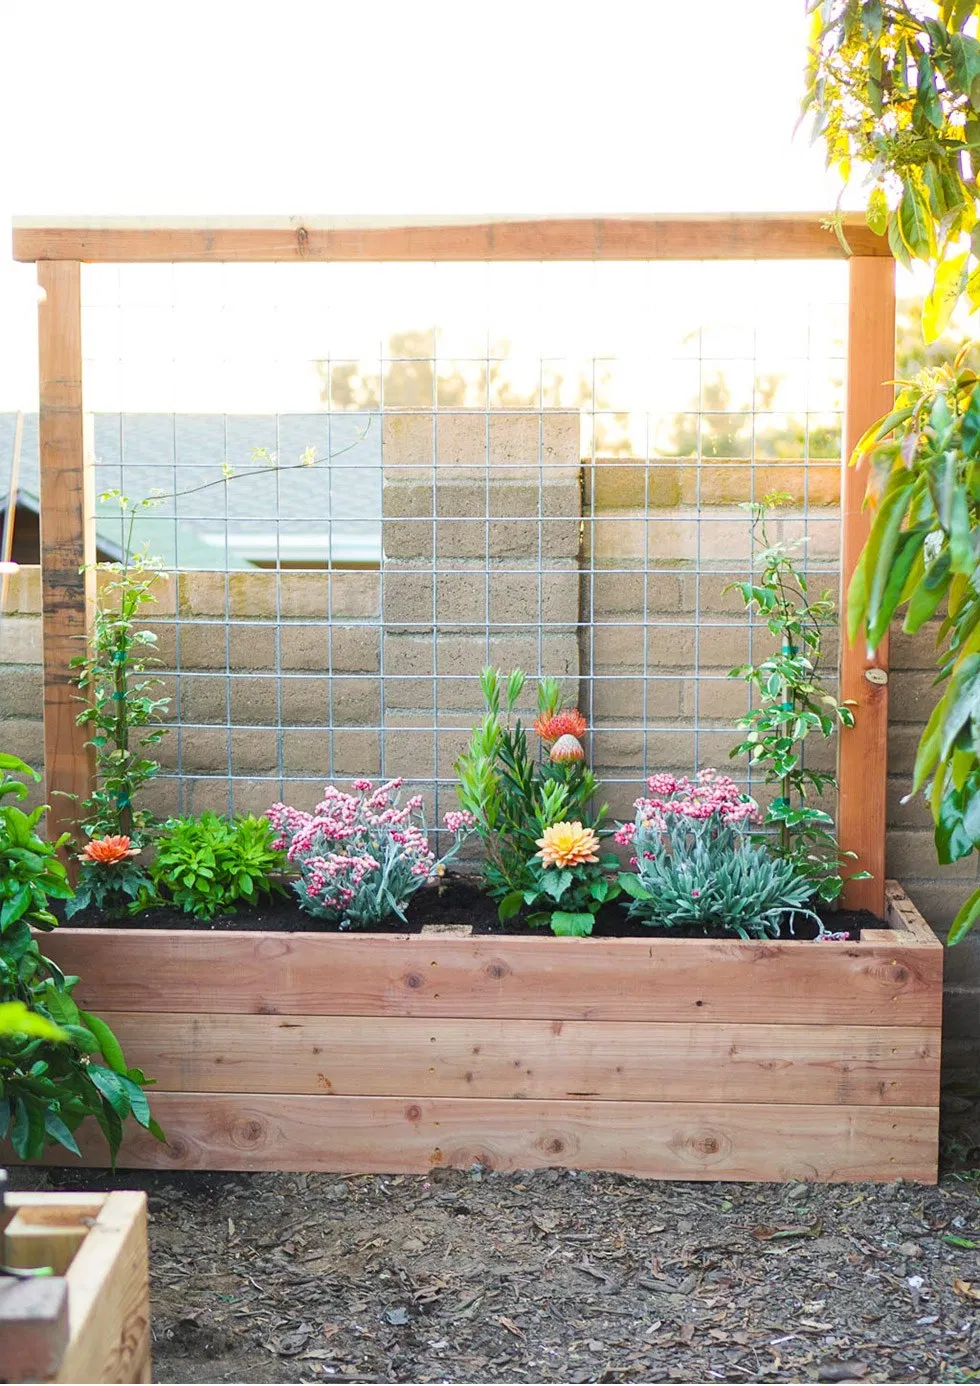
(67, 517)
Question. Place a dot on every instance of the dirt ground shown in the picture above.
(471, 1276)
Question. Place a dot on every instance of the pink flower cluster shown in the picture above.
(358, 852)
(709, 796)
(337, 875)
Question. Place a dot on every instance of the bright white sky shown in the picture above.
(211, 106)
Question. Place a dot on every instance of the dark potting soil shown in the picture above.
(456, 899)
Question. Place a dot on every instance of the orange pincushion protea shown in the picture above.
(108, 851)
(567, 844)
(558, 724)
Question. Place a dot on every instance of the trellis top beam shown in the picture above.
(741, 236)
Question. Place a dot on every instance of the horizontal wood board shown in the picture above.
(526, 1059)
(660, 980)
(804, 236)
(389, 1135)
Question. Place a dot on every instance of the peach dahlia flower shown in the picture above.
(108, 851)
(567, 844)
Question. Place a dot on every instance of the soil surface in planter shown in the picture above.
(470, 1276)
(457, 899)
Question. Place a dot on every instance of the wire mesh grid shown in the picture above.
(361, 511)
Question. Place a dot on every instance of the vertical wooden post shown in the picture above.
(67, 538)
(863, 751)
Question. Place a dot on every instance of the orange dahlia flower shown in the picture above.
(558, 724)
(108, 851)
(567, 844)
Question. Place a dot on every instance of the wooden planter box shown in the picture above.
(91, 1320)
(671, 1058)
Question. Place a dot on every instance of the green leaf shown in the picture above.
(966, 917)
(927, 97)
(942, 298)
(571, 925)
(109, 1045)
(907, 551)
(510, 906)
(915, 222)
(634, 887)
(110, 1085)
(953, 842)
(970, 425)
(59, 1132)
(877, 213)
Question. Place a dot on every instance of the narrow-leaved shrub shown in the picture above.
(697, 867)
(360, 856)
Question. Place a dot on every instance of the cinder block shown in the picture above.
(163, 590)
(903, 741)
(715, 699)
(322, 702)
(911, 855)
(623, 645)
(622, 699)
(221, 645)
(912, 694)
(24, 737)
(516, 593)
(21, 690)
(341, 647)
(20, 640)
(474, 519)
(912, 814)
(216, 750)
(618, 594)
(512, 442)
(913, 651)
(245, 795)
(466, 655)
(24, 591)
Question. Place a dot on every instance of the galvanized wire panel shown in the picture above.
(525, 464)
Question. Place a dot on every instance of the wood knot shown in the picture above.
(413, 981)
(413, 1113)
(247, 1132)
(496, 970)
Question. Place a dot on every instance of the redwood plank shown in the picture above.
(863, 749)
(526, 1059)
(644, 237)
(188, 971)
(67, 541)
(413, 1135)
(108, 1296)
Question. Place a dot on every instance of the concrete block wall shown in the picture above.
(499, 546)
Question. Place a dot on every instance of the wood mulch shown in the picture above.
(472, 1276)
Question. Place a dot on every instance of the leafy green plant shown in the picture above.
(923, 554)
(109, 879)
(570, 884)
(49, 1084)
(896, 86)
(512, 796)
(892, 89)
(209, 865)
(697, 868)
(791, 705)
(122, 713)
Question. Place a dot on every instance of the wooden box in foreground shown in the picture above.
(391, 1053)
(90, 1322)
